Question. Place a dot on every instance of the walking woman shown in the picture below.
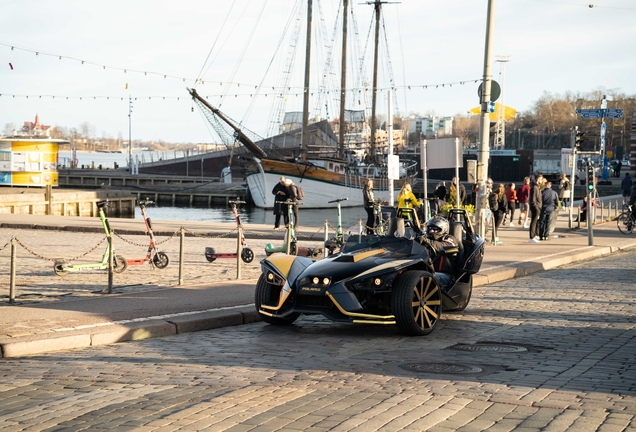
(511, 197)
(369, 203)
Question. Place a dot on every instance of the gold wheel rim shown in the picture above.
(422, 303)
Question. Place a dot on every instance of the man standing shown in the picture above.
(452, 192)
(535, 203)
(523, 195)
(626, 187)
(292, 194)
(280, 194)
(549, 203)
(619, 165)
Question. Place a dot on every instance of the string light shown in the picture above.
(238, 84)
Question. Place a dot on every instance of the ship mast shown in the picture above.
(378, 10)
(343, 79)
(303, 144)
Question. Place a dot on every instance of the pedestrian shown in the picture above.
(369, 204)
(582, 217)
(619, 165)
(511, 197)
(626, 187)
(564, 190)
(406, 198)
(438, 197)
(498, 206)
(523, 194)
(452, 193)
(535, 203)
(280, 194)
(293, 195)
(549, 203)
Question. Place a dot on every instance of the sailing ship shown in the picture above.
(324, 167)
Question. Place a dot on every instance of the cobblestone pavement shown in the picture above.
(553, 351)
(37, 251)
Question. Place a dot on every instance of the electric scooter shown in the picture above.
(120, 263)
(154, 257)
(290, 237)
(336, 241)
(247, 255)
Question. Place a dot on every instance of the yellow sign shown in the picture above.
(509, 113)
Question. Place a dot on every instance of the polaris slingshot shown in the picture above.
(387, 279)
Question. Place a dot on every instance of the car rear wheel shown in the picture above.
(264, 294)
(416, 303)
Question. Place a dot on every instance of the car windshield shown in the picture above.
(397, 244)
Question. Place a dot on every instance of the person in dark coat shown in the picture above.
(619, 165)
(549, 203)
(280, 194)
(535, 203)
(369, 203)
(499, 206)
(626, 187)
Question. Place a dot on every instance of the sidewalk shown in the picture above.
(162, 309)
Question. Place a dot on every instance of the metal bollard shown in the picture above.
(181, 243)
(110, 264)
(239, 248)
(14, 243)
(324, 251)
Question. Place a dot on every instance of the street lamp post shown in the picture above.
(130, 170)
(484, 152)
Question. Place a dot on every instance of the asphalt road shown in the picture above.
(551, 351)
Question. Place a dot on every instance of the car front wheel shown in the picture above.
(264, 294)
(416, 303)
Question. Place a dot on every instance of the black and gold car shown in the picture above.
(375, 280)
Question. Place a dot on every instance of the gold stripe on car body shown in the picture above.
(282, 263)
(355, 314)
(355, 321)
(382, 267)
(284, 293)
(362, 255)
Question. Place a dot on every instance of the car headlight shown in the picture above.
(274, 279)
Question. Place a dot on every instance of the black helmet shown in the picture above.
(437, 228)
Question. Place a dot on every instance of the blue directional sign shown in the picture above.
(590, 113)
(600, 113)
(614, 113)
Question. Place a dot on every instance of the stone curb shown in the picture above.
(526, 268)
(114, 333)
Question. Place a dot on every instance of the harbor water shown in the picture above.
(308, 218)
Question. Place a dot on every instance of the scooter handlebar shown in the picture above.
(337, 200)
(289, 202)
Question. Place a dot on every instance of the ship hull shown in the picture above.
(320, 186)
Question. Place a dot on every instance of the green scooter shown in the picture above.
(120, 263)
(336, 241)
(290, 243)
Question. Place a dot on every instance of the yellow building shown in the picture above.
(29, 161)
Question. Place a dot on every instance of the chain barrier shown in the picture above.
(311, 237)
(384, 225)
(8, 243)
(193, 234)
(176, 233)
(59, 259)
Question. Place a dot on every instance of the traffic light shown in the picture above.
(590, 176)
(578, 139)
(491, 107)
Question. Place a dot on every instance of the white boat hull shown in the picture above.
(318, 193)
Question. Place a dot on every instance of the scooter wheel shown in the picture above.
(247, 255)
(120, 265)
(58, 267)
(209, 252)
(160, 260)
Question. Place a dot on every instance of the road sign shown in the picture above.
(600, 113)
(590, 113)
(614, 113)
(495, 90)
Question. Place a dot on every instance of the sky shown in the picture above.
(93, 56)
